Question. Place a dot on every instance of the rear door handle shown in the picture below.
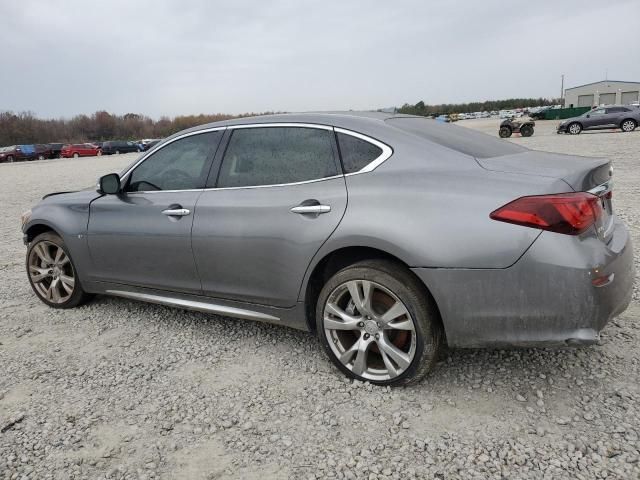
(317, 209)
(176, 212)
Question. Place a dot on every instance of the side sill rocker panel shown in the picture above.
(195, 305)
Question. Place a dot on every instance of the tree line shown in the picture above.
(423, 109)
(26, 128)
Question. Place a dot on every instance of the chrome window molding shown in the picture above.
(387, 151)
(160, 147)
(317, 126)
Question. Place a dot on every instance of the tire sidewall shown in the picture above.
(415, 303)
(579, 128)
(78, 293)
(635, 125)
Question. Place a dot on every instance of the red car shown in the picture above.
(80, 150)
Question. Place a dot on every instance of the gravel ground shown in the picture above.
(119, 389)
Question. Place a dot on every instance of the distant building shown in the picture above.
(606, 92)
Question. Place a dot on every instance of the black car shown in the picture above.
(150, 145)
(118, 146)
(55, 149)
(43, 151)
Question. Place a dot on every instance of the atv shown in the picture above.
(510, 126)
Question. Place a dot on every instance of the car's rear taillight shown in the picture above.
(568, 213)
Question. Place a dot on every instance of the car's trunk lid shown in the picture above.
(582, 174)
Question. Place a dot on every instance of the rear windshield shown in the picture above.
(461, 139)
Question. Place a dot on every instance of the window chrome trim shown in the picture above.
(277, 184)
(317, 126)
(387, 151)
(160, 147)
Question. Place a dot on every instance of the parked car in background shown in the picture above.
(118, 146)
(336, 224)
(624, 117)
(16, 153)
(56, 148)
(538, 113)
(148, 145)
(80, 150)
(43, 151)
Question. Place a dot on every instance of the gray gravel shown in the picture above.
(118, 389)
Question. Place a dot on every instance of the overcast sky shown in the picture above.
(172, 57)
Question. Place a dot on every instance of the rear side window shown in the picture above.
(181, 165)
(356, 153)
(277, 155)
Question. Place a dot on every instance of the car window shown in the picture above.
(178, 166)
(356, 153)
(597, 111)
(277, 155)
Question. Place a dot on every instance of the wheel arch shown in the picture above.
(629, 118)
(37, 228)
(338, 259)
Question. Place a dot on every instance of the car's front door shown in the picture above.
(596, 118)
(142, 237)
(279, 195)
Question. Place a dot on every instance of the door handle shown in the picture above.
(316, 209)
(176, 212)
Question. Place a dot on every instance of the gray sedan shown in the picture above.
(384, 235)
(624, 117)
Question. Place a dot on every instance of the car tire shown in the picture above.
(504, 132)
(526, 131)
(117, 152)
(99, 153)
(52, 274)
(574, 128)
(628, 125)
(10, 159)
(76, 155)
(409, 339)
(40, 157)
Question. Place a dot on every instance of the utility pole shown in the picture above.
(562, 89)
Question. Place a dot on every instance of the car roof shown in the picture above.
(387, 127)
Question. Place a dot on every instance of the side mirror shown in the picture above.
(109, 184)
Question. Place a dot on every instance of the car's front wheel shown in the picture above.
(575, 128)
(52, 273)
(377, 323)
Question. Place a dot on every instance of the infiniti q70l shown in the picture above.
(384, 235)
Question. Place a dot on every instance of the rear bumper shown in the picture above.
(547, 298)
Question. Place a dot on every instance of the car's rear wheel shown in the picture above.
(10, 159)
(504, 132)
(628, 125)
(117, 152)
(377, 323)
(574, 128)
(52, 274)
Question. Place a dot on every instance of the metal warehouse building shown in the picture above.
(607, 92)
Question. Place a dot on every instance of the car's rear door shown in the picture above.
(142, 237)
(278, 195)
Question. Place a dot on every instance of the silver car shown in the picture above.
(384, 235)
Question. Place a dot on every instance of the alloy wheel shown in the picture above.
(628, 125)
(574, 128)
(369, 330)
(51, 272)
